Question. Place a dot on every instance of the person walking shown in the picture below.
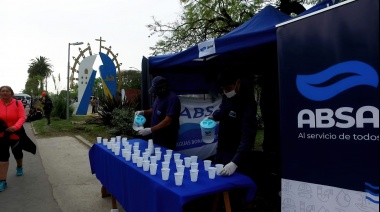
(48, 106)
(93, 105)
(12, 118)
(164, 114)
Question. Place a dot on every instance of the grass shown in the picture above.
(76, 125)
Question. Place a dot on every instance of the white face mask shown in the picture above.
(230, 94)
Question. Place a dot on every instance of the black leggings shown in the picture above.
(15, 145)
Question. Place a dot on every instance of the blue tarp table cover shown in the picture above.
(136, 190)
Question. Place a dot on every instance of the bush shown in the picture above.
(116, 114)
(59, 106)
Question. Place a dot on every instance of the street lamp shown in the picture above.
(68, 75)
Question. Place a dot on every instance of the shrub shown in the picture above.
(59, 106)
(116, 114)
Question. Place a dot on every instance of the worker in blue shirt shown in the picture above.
(164, 114)
(237, 124)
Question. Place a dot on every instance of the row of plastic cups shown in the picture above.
(178, 176)
(117, 138)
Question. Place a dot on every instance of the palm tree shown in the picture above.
(40, 66)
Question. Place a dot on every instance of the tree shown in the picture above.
(31, 85)
(40, 66)
(130, 79)
(202, 20)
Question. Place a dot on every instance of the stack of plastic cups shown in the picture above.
(151, 146)
(157, 153)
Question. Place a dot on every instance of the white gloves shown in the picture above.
(145, 131)
(139, 112)
(228, 169)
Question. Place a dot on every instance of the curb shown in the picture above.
(78, 137)
(83, 141)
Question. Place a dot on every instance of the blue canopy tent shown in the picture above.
(194, 70)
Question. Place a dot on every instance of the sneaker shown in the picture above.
(19, 171)
(3, 185)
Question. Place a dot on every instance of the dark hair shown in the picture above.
(7, 87)
(227, 77)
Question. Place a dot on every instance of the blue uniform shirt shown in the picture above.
(168, 105)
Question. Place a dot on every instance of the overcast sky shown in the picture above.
(33, 28)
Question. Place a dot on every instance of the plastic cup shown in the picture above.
(113, 139)
(165, 164)
(194, 166)
(178, 178)
(105, 141)
(180, 168)
(128, 156)
(135, 148)
(179, 162)
(153, 169)
(150, 143)
(124, 139)
(118, 138)
(194, 159)
(206, 164)
(145, 155)
(117, 150)
(98, 140)
(134, 158)
(193, 175)
(177, 156)
(125, 143)
(165, 173)
(148, 151)
(137, 152)
(169, 152)
(219, 168)
(146, 165)
(136, 144)
(153, 159)
(123, 152)
(211, 172)
(129, 147)
(157, 149)
(167, 158)
(187, 161)
(158, 155)
(109, 145)
(139, 161)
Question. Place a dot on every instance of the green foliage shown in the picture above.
(40, 66)
(117, 115)
(59, 103)
(130, 79)
(122, 121)
(202, 20)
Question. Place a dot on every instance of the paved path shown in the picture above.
(58, 178)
